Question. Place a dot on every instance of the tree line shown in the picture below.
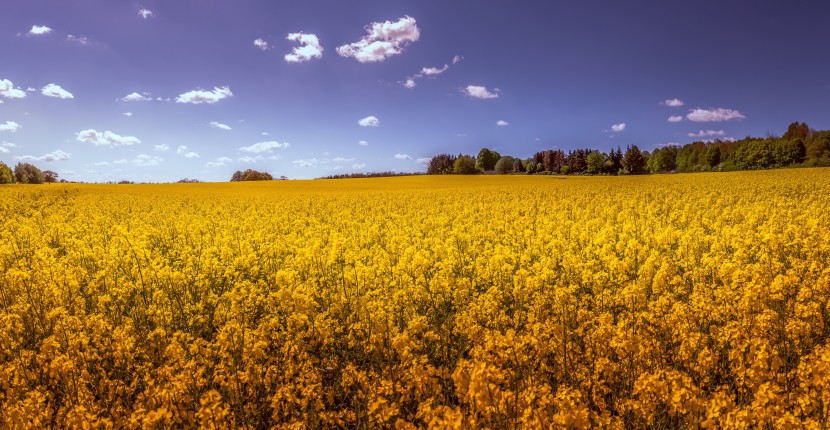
(26, 173)
(800, 146)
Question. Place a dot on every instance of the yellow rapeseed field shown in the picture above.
(490, 301)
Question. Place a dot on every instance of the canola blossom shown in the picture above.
(448, 302)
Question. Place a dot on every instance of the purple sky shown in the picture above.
(103, 90)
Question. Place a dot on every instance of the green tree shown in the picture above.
(487, 159)
(441, 164)
(6, 175)
(464, 165)
(595, 163)
(713, 156)
(251, 175)
(797, 131)
(25, 173)
(504, 165)
(633, 162)
(50, 176)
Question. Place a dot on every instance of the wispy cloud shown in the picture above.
(219, 125)
(221, 161)
(186, 153)
(383, 40)
(369, 121)
(80, 40)
(713, 115)
(428, 72)
(261, 44)
(672, 103)
(163, 147)
(706, 133)
(479, 92)
(50, 157)
(261, 147)
(402, 157)
(10, 126)
(136, 97)
(144, 160)
(53, 90)
(146, 13)
(201, 96)
(106, 138)
(363, 143)
(309, 48)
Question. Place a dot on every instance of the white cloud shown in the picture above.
(163, 147)
(672, 103)
(10, 126)
(369, 121)
(457, 59)
(359, 166)
(616, 128)
(127, 114)
(265, 133)
(675, 118)
(49, 157)
(221, 161)
(402, 157)
(502, 123)
(383, 40)
(423, 161)
(713, 115)
(261, 44)
(201, 96)
(4, 150)
(433, 71)
(121, 161)
(144, 160)
(219, 125)
(261, 147)
(136, 97)
(410, 83)
(342, 160)
(53, 90)
(311, 162)
(8, 90)
(249, 159)
(184, 152)
(146, 13)
(39, 30)
(479, 92)
(106, 138)
(101, 163)
(363, 143)
(80, 40)
(704, 133)
(309, 48)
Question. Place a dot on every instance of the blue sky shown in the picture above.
(103, 90)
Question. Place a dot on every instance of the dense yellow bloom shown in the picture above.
(445, 302)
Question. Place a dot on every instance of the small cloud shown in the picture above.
(107, 138)
(8, 90)
(249, 159)
(359, 166)
(201, 96)
(423, 161)
(80, 40)
(49, 157)
(369, 121)
(261, 44)
(219, 125)
(402, 157)
(480, 92)
(39, 30)
(309, 48)
(261, 147)
(136, 97)
(410, 83)
(144, 160)
(676, 118)
(184, 152)
(383, 40)
(101, 163)
(457, 59)
(616, 128)
(221, 161)
(502, 123)
(342, 160)
(705, 133)
(672, 103)
(145, 13)
(363, 143)
(713, 115)
(434, 71)
(163, 147)
(265, 133)
(127, 114)
(10, 126)
(53, 90)
(311, 162)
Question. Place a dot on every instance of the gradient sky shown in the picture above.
(159, 90)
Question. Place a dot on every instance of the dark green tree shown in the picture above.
(50, 176)
(633, 162)
(713, 156)
(25, 173)
(6, 174)
(464, 165)
(487, 159)
(504, 165)
(595, 163)
(797, 130)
